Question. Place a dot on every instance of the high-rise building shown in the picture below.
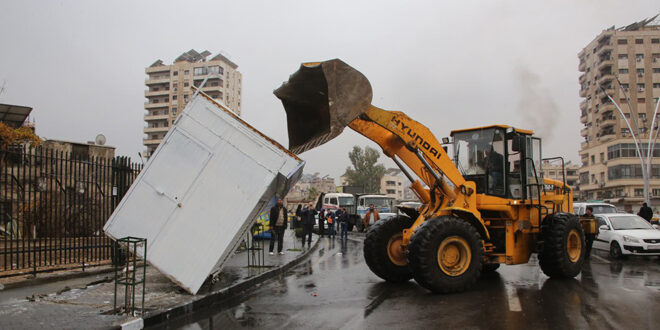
(611, 168)
(169, 89)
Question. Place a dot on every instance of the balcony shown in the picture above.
(148, 105)
(582, 67)
(583, 119)
(584, 145)
(584, 131)
(607, 134)
(605, 78)
(155, 81)
(155, 69)
(582, 78)
(605, 63)
(608, 121)
(161, 92)
(147, 142)
(156, 117)
(583, 92)
(156, 129)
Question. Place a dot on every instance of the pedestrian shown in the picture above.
(330, 219)
(645, 212)
(343, 222)
(308, 224)
(278, 221)
(371, 216)
(299, 212)
(589, 213)
(321, 225)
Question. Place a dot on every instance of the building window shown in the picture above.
(640, 87)
(216, 69)
(655, 41)
(174, 97)
(187, 72)
(622, 42)
(641, 99)
(200, 71)
(656, 192)
(173, 110)
(656, 70)
(175, 73)
(640, 72)
(623, 56)
(629, 171)
(602, 157)
(622, 71)
(639, 57)
(185, 84)
(639, 41)
(593, 178)
(656, 85)
(593, 159)
(185, 97)
(639, 192)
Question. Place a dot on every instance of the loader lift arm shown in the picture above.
(341, 95)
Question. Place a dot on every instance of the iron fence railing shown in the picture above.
(53, 205)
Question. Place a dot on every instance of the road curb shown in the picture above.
(222, 294)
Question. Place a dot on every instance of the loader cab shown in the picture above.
(502, 161)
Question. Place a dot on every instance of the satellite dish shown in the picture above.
(100, 139)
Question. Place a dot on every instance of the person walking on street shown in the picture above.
(308, 224)
(321, 225)
(330, 219)
(645, 212)
(590, 238)
(343, 222)
(371, 216)
(278, 220)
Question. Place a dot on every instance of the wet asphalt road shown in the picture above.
(334, 289)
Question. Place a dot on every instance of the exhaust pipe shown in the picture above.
(320, 99)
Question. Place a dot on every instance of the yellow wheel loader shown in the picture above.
(487, 205)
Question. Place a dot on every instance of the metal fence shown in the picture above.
(53, 205)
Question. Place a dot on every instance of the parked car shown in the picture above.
(626, 234)
(599, 208)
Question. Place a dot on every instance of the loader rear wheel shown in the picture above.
(383, 249)
(445, 255)
(563, 246)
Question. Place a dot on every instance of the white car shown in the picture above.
(626, 234)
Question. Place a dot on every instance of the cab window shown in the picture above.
(333, 201)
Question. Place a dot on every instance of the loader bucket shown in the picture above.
(320, 99)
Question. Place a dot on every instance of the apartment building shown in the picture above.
(570, 174)
(395, 185)
(169, 88)
(611, 168)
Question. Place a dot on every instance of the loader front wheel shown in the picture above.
(383, 249)
(445, 255)
(563, 246)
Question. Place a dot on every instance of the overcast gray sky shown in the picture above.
(447, 64)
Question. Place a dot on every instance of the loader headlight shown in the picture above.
(630, 239)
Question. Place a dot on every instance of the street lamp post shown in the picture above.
(645, 167)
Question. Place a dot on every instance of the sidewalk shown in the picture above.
(85, 302)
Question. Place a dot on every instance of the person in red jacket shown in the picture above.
(371, 216)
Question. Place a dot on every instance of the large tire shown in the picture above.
(381, 249)
(563, 246)
(489, 268)
(446, 255)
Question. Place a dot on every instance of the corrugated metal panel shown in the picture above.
(201, 190)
